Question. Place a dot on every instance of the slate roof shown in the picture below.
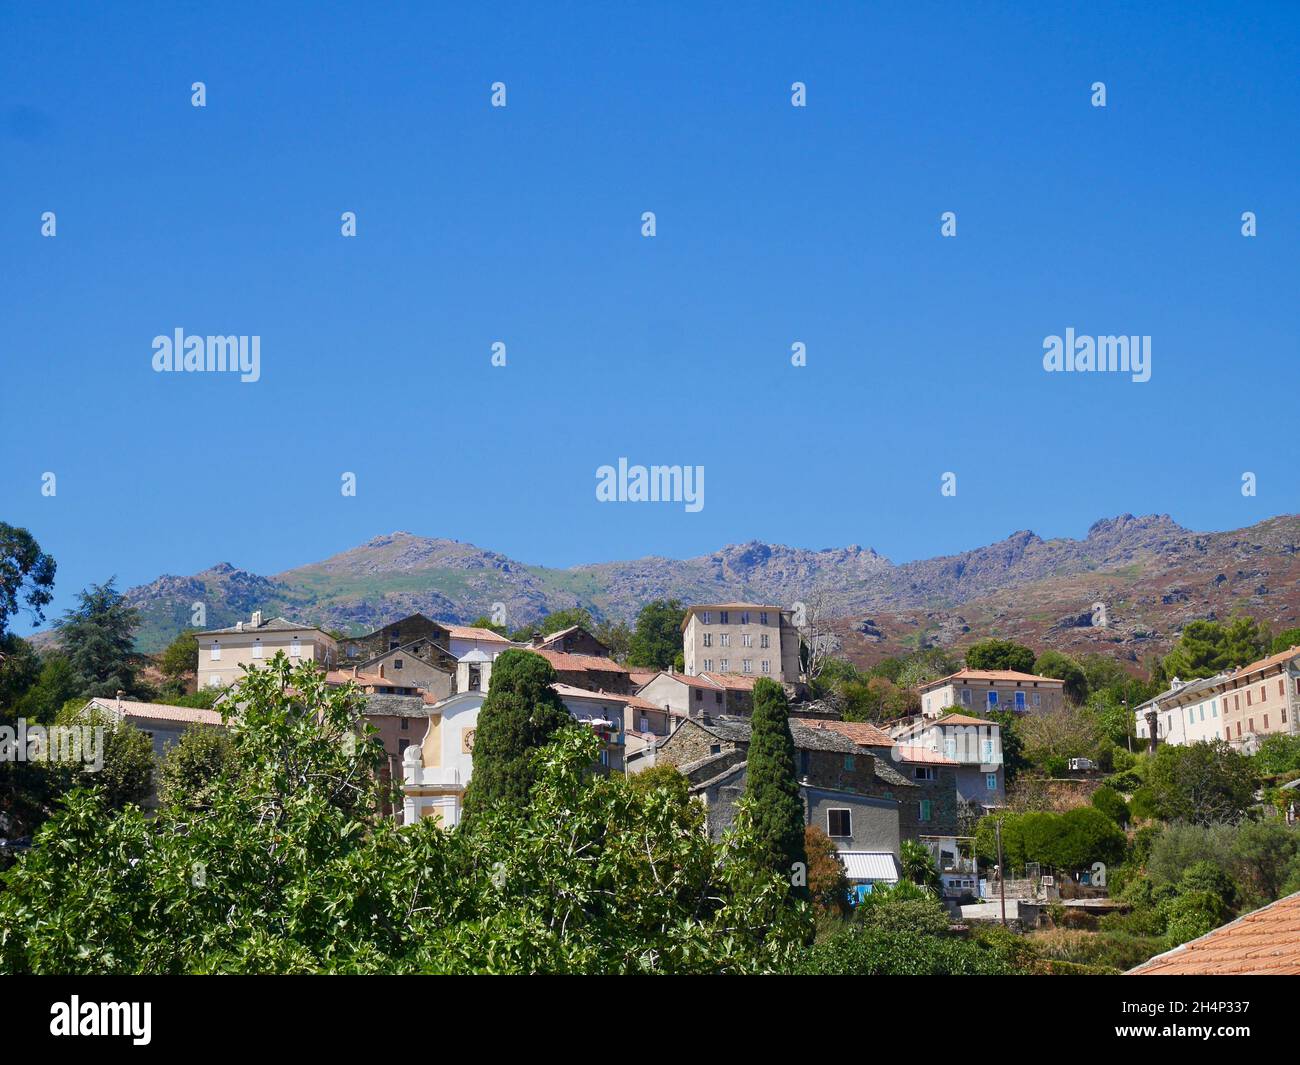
(273, 625)
(1265, 942)
(380, 705)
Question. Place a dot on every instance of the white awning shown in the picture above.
(870, 866)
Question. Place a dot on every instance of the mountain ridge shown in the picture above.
(1155, 573)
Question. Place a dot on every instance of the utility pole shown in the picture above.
(1002, 873)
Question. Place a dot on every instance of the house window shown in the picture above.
(708, 665)
(965, 697)
(803, 763)
(762, 617)
(1202, 712)
(215, 654)
(988, 750)
(747, 640)
(923, 772)
(1250, 723)
(406, 723)
(993, 698)
(744, 617)
(1038, 699)
(991, 781)
(708, 639)
(1020, 700)
(839, 823)
(748, 665)
(397, 663)
(724, 664)
(715, 748)
(295, 648)
(1214, 707)
(708, 617)
(393, 645)
(724, 617)
(765, 640)
(1248, 697)
(925, 810)
(717, 698)
(725, 641)
(767, 665)
(1191, 715)
(214, 681)
(1281, 688)
(645, 725)
(1263, 693)
(699, 696)
(257, 648)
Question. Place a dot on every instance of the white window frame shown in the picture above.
(848, 813)
(214, 653)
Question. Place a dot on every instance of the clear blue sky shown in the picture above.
(775, 225)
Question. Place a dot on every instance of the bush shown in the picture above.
(863, 950)
(1112, 804)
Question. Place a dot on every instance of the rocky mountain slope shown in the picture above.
(1152, 574)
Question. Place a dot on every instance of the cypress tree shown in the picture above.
(521, 713)
(771, 780)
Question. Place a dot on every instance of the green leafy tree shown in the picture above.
(180, 661)
(1208, 647)
(292, 869)
(918, 865)
(1063, 667)
(521, 713)
(56, 685)
(1112, 804)
(657, 637)
(1278, 754)
(1284, 641)
(26, 575)
(485, 622)
(1000, 654)
(98, 638)
(193, 767)
(1201, 783)
(617, 636)
(770, 779)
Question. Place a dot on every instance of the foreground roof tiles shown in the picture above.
(1265, 942)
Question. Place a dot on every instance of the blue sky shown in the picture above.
(775, 225)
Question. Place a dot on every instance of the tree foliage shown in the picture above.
(521, 713)
(771, 783)
(98, 638)
(1201, 783)
(289, 869)
(657, 637)
(26, 575)
(1000, 654)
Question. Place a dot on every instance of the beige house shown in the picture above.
(222, 652)
(985, 690)
(1241, 706)
(746, 638)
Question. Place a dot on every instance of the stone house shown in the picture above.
(575, 640)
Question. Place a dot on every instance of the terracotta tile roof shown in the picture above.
(579, 663)
(570, 692)
(469, 632)
(365, 680)
(861, 732)
(1265, 663)
(991, 675)
(130, 708)
(958, 719)
(739, 682)
(1265, 942)
(642, 676)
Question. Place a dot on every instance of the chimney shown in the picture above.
(381, 669)
(257, 619)
(120, 693)
(239, 626)
(536, 640)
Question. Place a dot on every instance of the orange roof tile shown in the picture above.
(1265, 942)
(860, 732)
(1265, 663)
(991, 675)
(579, 663)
